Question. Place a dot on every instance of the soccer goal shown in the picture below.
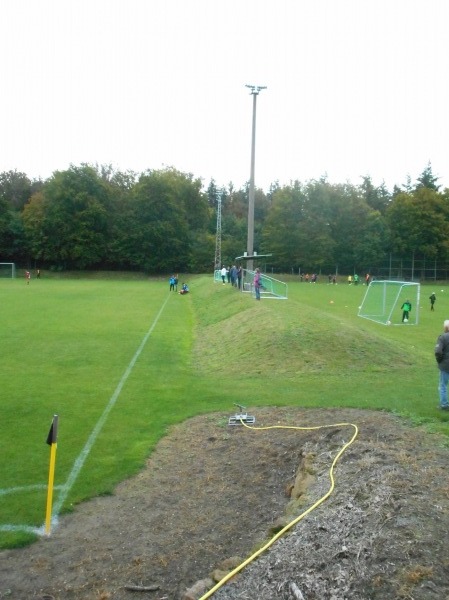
(7, 270)
(271, 288)
(384, 302)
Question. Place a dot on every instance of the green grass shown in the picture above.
(67, 343)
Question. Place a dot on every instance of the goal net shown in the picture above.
(7, 270)
(385, 302)
(270, 288)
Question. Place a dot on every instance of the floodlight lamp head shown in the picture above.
(255, 89)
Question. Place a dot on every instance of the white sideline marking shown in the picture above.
(101, 421)
(27, 488)
(25, 528)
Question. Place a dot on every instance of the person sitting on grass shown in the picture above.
(184, 289)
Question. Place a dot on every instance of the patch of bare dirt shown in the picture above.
(210, 492)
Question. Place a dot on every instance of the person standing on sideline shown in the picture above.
(432, 299)
(172, 283)
(223, 274)
(234, 275)
(239, 277)
(257, 283)
(406, 308)
(442, 358)
(28, 277)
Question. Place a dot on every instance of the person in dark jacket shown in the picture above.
(442, 358)
(432, 299)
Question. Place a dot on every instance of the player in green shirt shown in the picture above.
(406, 308)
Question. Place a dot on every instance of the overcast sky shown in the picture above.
(354, 87)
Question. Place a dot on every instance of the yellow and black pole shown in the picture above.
(52, 442)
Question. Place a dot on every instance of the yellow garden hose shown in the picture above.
(302, 515)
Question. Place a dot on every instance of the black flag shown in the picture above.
(53, 433)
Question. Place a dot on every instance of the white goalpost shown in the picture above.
(7, 270)
(385, 301)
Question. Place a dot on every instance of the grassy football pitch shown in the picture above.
(119, 361)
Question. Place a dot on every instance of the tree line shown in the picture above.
(160, 221)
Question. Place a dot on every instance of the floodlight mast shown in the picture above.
(217, 261)
(255, 89)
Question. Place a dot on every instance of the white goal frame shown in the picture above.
(392, 294)
(13, 269)
(271, 288)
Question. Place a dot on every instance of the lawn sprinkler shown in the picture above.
(242, 417)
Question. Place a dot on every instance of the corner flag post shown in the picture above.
(52, 441)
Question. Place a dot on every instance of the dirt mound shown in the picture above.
(211, 492)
